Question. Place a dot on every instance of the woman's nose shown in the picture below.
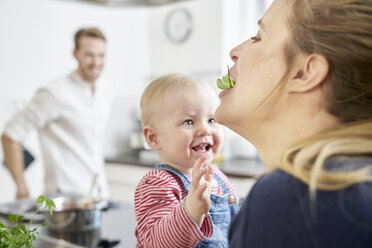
(234, 53)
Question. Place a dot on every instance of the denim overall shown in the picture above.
(221, 211)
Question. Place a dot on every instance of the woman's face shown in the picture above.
(259, 67)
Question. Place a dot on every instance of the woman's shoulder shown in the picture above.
(273, 186)
(272, 206)
(281, 198)
(279, 180)
(280, 185)
(279, 191)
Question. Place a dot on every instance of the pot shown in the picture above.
(76, 220)
(75, 214)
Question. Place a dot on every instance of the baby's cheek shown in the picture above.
(218, 141)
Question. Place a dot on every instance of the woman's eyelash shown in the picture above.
(255, 38)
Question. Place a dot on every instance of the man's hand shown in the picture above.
(22, 191)
(14, 161)
(198, 200)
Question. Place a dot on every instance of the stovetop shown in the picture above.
(50, 242)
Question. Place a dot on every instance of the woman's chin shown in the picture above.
(220, 114)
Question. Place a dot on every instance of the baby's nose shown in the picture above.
(204, 130)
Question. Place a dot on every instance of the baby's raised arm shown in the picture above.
(198, 200)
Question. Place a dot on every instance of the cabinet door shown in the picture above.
(123, 180)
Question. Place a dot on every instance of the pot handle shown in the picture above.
(63, 224)
(102, 205)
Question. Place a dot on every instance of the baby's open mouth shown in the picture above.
(205, 147)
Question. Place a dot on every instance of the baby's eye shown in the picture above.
(211, 120)
(188, 122)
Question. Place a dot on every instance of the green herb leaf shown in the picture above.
(222, 84)
(226, 82)
(50, 205)
(13, 218)
(40, 199)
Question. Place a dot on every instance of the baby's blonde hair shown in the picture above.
(153, 95)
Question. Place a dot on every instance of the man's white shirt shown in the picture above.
(70, 120)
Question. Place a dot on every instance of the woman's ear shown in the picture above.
(310, 72)
(151, 137)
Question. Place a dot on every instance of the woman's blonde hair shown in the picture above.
(154, 93)
(341, 31)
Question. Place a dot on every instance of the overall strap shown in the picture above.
(186, 182)
(224, 187)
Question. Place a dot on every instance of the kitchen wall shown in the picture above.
(36, 44)
(38, 47)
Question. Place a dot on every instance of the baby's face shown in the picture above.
(186, 127)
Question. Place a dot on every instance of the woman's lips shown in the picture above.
(224, 92)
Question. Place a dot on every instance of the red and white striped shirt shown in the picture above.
(162, 220)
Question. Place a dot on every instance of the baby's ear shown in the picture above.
(151, 137)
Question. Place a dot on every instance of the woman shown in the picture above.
(303, 97)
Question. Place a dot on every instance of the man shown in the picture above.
(69, 115)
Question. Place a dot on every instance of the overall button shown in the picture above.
(231, 199)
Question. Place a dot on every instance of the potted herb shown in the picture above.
(19, 235)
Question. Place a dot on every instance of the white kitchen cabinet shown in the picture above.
(123, 180)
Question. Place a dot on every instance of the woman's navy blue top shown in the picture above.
(278, 212)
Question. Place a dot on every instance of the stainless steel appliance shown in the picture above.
(76, 219)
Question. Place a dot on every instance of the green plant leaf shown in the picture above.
(22, 227)
(13, 218)
(40, 199)
(222, 84)
(226, 82)
(50, 205)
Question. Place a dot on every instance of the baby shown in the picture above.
(185, 201)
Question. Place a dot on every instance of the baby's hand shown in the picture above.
(198, 200)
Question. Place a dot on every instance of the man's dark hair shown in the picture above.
(91, 32)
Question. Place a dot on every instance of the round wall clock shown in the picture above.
(178, 25)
